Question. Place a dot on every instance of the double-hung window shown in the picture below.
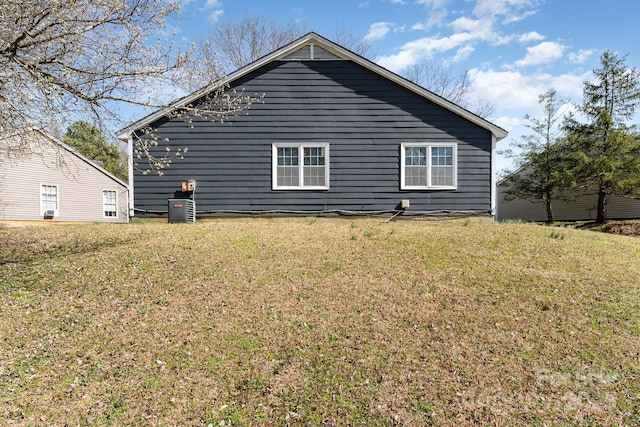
(48, 199)
(426, 166)
(300, 166)
(109, 204)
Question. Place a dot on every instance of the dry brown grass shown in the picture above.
(305, 321)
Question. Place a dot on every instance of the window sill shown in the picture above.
(300, 188)
(427, 188)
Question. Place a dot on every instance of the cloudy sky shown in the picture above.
(513, 50)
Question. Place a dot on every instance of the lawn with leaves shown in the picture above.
(319, 321)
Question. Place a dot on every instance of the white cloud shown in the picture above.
(542, 53)
(436, 18)
(513, 90)
(435, 4)
(398, 61)
(466, 32)
(508, 123)
(217, 13)
(532, 36)
(502, 7)
(468, 24)
(378, 30)
(463, 53)
(213, 17)
(517, 18)
(581, 56)
(510, 11)
(396, 1)
(413, 51)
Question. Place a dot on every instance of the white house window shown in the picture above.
(110, 203)
(300, 166)
(48, 199)
(427, 166)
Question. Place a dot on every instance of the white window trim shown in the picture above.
(300, 146)
(429, 145)
(104, 205)
(43, 208)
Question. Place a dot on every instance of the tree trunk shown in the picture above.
(602, 207)
(549, 208)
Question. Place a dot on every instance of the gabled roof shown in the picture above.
(313, 39)
(50, 138)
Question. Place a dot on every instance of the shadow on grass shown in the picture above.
(24, 250)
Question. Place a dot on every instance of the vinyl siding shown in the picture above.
(362, 115)
(79, 183)
(582, 208)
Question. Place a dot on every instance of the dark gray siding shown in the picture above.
(363, 116)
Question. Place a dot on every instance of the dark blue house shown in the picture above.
(335, 134)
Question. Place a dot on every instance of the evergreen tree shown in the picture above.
(606, 149)
(542, 158)
(87, 139)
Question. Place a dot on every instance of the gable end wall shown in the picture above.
(363, 116)
(79, 184)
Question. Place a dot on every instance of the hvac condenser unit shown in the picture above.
(182, 210)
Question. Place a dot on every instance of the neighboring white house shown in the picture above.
(51, 181)
(581, 208)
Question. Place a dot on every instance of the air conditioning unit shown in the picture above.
(49, 213)
(182, 210)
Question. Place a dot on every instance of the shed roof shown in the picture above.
(313, 39)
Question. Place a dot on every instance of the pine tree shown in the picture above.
(606, 150)
(88, 141)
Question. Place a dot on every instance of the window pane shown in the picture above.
(288, 176)
(442, 156)
(442, 176)
(314, 170)
(287, 156)
(49, 197)
(314, 175)
(314, 156)
(416, 156)
(110, 203)
(415, 175)
(442, 166)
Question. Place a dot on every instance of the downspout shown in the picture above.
(130, 170)
(494, 186)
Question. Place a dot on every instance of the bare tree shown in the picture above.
(450, 84)
(238, 43)
(81, 59)
(358, 45)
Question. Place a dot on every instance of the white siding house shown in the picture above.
(50, 181)
(581, 208)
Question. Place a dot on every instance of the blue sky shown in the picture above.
(514, 50)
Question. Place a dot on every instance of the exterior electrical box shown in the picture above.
(189, 185)
(182, 210)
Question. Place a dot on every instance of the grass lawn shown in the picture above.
(319, 321)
